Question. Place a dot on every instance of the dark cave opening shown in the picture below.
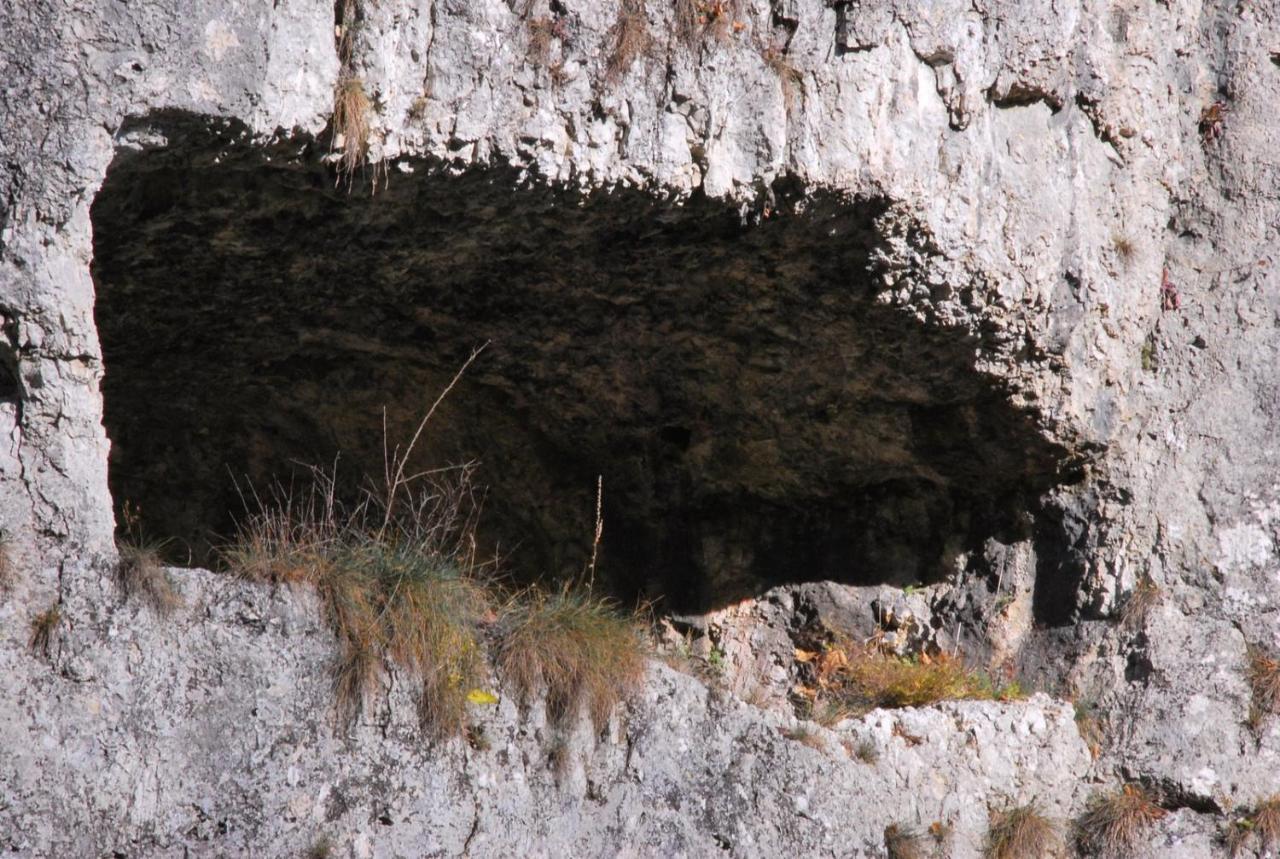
(755, 414)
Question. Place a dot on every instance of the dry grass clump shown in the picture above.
(351, 109)
(1124, 247)
(851, 680)
(8, 569)
(695, 19)
(1022, 832)
(142, 575)
(631, 39)
(1137, 608)
(401, 587)
(1266, 821)
(905, 842)
(586, 655)
(43, 627)
(321, 848)
(1089, 726)
(789, 76)
(1116, 821)
(1264, 681)
(1263, 822)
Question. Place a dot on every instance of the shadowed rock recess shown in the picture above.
(756, 414)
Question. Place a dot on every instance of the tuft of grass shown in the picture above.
(1137, 608)
(1266, 821)
(789, 76)
(1264, 681)
(1022, 832)
(805, 735)
(586, 654)
(351, 109)
(388, 596)
(321, 848)
(8, 569)
(141, 574)
(905, 842)
(43, 627)
(1124, 247)
(852, 680)
(867, 752)
(1089, 726)
(396, 574)
(689, 22)
(631, 39)
(1263, 822)
(1115, 822)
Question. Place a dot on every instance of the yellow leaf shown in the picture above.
(479, 696)
(805, 655)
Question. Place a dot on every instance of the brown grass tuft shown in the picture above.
(1089, 726)
(689, 21)
(905, 842)
(1138, 607)
(1022, 833)
(788, 75)
(43, 627)
(867, 752)
(580, 649)
(351, 109)
(407, 595)
(1124, 247)
(396, 572)
(8, 568)
(1115, 822)
(142, 575)
(851, 680)
(321, 848)
(1264, 681)
(1266, 820)
(631, 39)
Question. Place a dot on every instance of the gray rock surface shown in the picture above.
(213, 733)
(1054, 193)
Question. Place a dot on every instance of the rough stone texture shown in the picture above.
(213, 733)
(1021, 147)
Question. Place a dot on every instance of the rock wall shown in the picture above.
(1077, 196)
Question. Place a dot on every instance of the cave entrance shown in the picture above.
(756, 415)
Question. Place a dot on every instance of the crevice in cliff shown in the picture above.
(757, 414)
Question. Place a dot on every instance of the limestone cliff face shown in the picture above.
(977, 298)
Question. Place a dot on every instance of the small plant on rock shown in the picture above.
(43, 627)
(351, 108)
(580, 649)
(142, 575)
(905, 842)
(321, 848)
(1124, 247)
(1089, 725)
(1115, 822)
(631, 39)
(1138, 607)
(1022, 832)
(7, 566)
(867, 752)
(396, 573)
(1264, 681)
